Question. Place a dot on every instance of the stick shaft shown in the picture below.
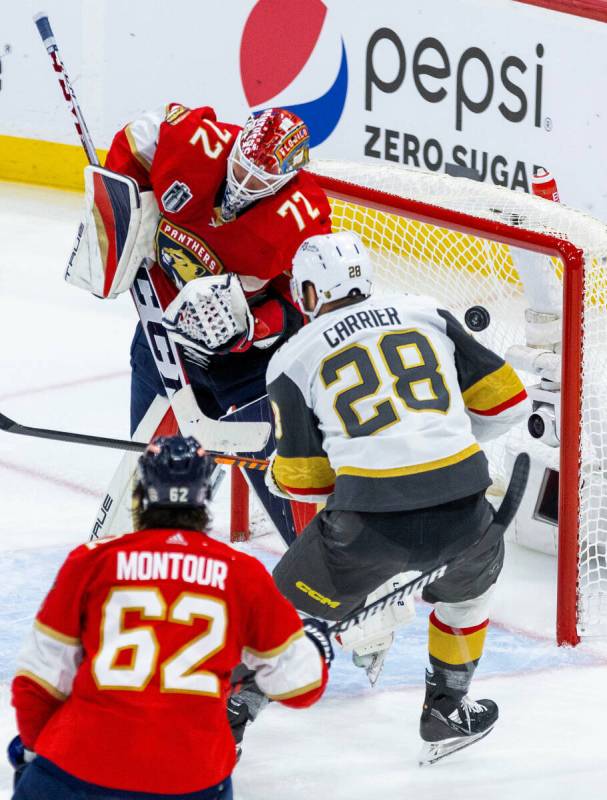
(10, 426)
(48, 38)
(503, 517)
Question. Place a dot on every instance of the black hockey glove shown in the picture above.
(19, 758)
(318, 632)
(238, 716)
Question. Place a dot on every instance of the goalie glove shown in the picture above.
(210, 315)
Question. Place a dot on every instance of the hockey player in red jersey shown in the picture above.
(123, 681)
(234, 207)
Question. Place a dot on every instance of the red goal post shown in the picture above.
(451, 238)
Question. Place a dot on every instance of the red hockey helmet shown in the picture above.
(267, 153)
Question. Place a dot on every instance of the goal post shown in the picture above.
(457, 239)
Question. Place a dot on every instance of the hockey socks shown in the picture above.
(450, 720)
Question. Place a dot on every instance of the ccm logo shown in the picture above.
(320, 598)
(432, 67)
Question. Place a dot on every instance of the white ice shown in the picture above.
(65, 365)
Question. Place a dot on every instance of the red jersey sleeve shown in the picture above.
(50, 657)
(288, 665)
(133, 148)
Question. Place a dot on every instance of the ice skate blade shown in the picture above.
(432, 752)
(372, 664)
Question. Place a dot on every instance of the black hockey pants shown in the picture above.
(343, 556)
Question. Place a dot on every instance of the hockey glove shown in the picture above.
(19, 758)
(238, 717)
(210, 314)
(318, 631)
(271, 482)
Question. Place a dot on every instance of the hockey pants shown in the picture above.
(230, 380)
(342, 556)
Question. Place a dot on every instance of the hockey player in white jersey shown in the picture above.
(379, 407)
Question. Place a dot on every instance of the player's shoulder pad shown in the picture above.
(206, 112)
(89, 551)
(290, 358)
(307, 184)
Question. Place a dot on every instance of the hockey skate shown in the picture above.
(450, 721)
(371, 657)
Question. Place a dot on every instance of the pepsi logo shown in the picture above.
(284, 50)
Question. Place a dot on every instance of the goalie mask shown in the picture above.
(174, 472)
(336, 264)
(267, 153)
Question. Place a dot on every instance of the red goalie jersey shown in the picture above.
(124, 678)
(182, 155)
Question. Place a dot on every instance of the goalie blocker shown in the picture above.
(116, 235)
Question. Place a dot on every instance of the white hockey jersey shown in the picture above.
(381, 404)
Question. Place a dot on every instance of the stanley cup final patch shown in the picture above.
(176, 196)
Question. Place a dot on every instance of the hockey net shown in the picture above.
(453, 239)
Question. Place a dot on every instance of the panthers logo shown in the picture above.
(183, 268)
(184, 256)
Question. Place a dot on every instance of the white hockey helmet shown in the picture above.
(336, 264)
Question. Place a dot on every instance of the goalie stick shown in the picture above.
(10, 426)
(150, 298)
(503, 517)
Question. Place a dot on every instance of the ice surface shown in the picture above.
(64, 364)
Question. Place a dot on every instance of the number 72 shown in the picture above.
(290, 206)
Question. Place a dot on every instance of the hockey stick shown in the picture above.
(10, 426)
(503, 517)
(147, 294)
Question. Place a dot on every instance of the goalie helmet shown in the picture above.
(336, 264)
(174, 472)
(267, 153)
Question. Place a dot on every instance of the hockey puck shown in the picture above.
(477, 318)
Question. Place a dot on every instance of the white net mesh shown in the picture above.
(465, 269)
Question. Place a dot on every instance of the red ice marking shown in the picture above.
(42, 476)
(51, 387)
(277, 40)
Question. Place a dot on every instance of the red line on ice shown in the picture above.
(65, 385)
(63, 482)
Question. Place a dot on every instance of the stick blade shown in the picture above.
(7, 424)
(515, 491)
(226, 437)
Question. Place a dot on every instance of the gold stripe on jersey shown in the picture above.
(296, 692)
(147, 165)
(493, 390)
(276, 651)
(314, 472)
(60, 637)
(24, 673)
(414, 469)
